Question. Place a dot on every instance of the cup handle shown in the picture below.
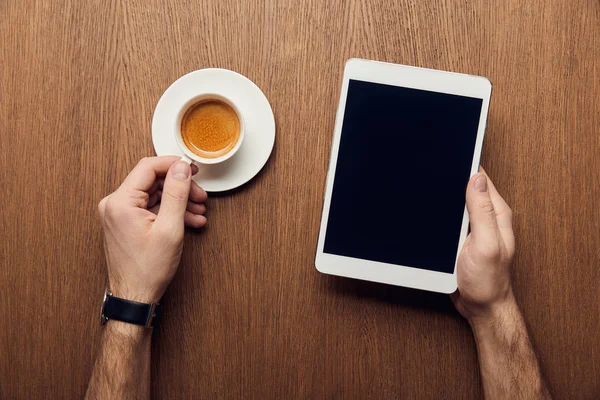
(187, 159)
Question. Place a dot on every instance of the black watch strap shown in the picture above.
(147, 315)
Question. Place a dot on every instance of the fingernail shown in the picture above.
(481, 183)
(181, 171)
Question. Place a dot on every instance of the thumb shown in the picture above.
(482, 215)
(175, 197)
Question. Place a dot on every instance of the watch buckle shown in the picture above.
(107, 294)
(151, 315)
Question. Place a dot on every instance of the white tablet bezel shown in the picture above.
(416, 78)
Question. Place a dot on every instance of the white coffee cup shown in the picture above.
(190, 156)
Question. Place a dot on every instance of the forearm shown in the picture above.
(509, 367)
(122, 368)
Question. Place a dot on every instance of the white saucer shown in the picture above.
(252, 104)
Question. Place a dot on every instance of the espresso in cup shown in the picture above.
(210, 128)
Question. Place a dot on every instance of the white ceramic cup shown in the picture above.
(190, 156)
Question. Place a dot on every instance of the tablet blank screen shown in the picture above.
(403, 164)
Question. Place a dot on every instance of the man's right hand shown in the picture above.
(483, 269)
(143, 223)
(508, 364)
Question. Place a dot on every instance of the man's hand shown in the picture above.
(509, 367)
(143, 223)
(483, 270)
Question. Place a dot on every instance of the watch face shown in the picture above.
(103, 319)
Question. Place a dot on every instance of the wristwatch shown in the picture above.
(147, 315)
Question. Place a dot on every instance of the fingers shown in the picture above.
(194, 220)
(503, 216)
(154, 198)
(484, 227)
(197, 194)
(196, 208)
(158, 184)
(174, 199)
(503, 211)
(190, 218)
(143, 176)
(148, 177)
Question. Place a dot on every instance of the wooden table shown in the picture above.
(247, 315)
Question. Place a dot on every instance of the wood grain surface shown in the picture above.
(247, 315)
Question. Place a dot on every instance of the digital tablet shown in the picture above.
(405, 143)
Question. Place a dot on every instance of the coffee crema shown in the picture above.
(210, 128)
